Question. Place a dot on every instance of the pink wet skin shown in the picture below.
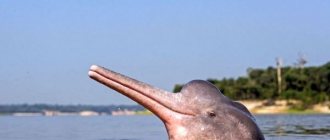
(198, 112)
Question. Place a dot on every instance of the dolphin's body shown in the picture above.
(198, 112)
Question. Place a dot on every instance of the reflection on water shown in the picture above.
(294, 126)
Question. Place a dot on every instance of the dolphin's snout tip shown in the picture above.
(92, 69)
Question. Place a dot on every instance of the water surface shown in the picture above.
(275, 127)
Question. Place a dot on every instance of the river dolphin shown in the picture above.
(198, 112)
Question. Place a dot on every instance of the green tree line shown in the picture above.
(309, 84)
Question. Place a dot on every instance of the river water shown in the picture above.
(274, 127)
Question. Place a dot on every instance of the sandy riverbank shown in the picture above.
(282, 107)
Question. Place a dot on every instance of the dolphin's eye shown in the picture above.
(211, 114)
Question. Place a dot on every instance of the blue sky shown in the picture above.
(47, 47)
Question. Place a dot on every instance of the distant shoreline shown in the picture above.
(254, 106)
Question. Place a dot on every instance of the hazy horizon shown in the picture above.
(47, 47)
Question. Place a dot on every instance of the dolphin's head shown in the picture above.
(198, 112)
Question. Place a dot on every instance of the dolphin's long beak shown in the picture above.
(160, 102)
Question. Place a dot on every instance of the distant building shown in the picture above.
(57, 113)
(88, 113)
(122, 112)
(27, 114)
(50, 113)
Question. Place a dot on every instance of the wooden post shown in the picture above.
(279, 77)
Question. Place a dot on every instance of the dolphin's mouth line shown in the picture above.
(127, 86)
